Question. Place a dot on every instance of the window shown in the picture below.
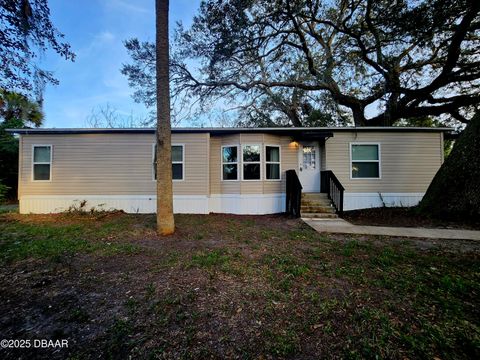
(309, 157)
(229, 163)
(272, 162)
(42, 162)
(251, 162)
(365, 161)
(177, 162)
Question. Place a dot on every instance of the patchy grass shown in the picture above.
(20, 240)
(232, 287)
(209, 259)
(8, 208)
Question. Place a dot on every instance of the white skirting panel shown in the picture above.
(247, 204)
(353, 201)
(141, 204)
(146, 204)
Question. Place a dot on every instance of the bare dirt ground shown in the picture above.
(227, 286)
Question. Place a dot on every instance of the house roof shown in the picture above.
(314, 132)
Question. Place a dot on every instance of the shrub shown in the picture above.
(3, 192)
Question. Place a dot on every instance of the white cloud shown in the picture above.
(98, 41)
(104, 37)
(127, 6)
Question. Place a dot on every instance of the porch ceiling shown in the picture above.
(312, 135)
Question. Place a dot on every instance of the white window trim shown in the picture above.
(252, 162)
(180, 162)
(279, 162)
(42, 162)
(173, 162)
(379, 161)
(153, 162)
(229, 163)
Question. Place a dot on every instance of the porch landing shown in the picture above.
(341, 226)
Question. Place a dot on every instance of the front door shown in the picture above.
(309, 166)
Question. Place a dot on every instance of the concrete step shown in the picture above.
(318, 216)
(317, 209)
(314, 195)
(325, 202)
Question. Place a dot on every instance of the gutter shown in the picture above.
(320, 131)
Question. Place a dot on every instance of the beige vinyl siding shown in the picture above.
(409, 161)
(111, 164)
(323, 157)
(196, 164)
(288, 157)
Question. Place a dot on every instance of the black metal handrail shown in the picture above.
(293, 193)
(331, 185)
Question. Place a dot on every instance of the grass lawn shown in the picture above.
(232, 287)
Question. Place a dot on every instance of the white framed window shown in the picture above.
(272, 162)
(251, 156)
(229, 163)
(178, 162)
(42, 162)
(309, 157)
(365, 161)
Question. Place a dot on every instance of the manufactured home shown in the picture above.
(227, 170)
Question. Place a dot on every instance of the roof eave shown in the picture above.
(225, 131)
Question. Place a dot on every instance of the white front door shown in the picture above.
(309, 166)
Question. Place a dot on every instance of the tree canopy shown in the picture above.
(266, 108)
(16, 111)
(381, 60)
(25, 31)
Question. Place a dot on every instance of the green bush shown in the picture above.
(3, 192)
(455, 190)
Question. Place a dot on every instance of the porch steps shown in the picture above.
(317, 205)
(319, 216)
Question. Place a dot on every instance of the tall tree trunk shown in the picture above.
(455, 190)
(165, 220)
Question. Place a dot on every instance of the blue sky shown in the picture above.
(96, 30)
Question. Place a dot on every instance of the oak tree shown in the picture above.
(264, 108)
(382, 60)
(26, 31)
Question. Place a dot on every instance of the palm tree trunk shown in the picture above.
(165, 220)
